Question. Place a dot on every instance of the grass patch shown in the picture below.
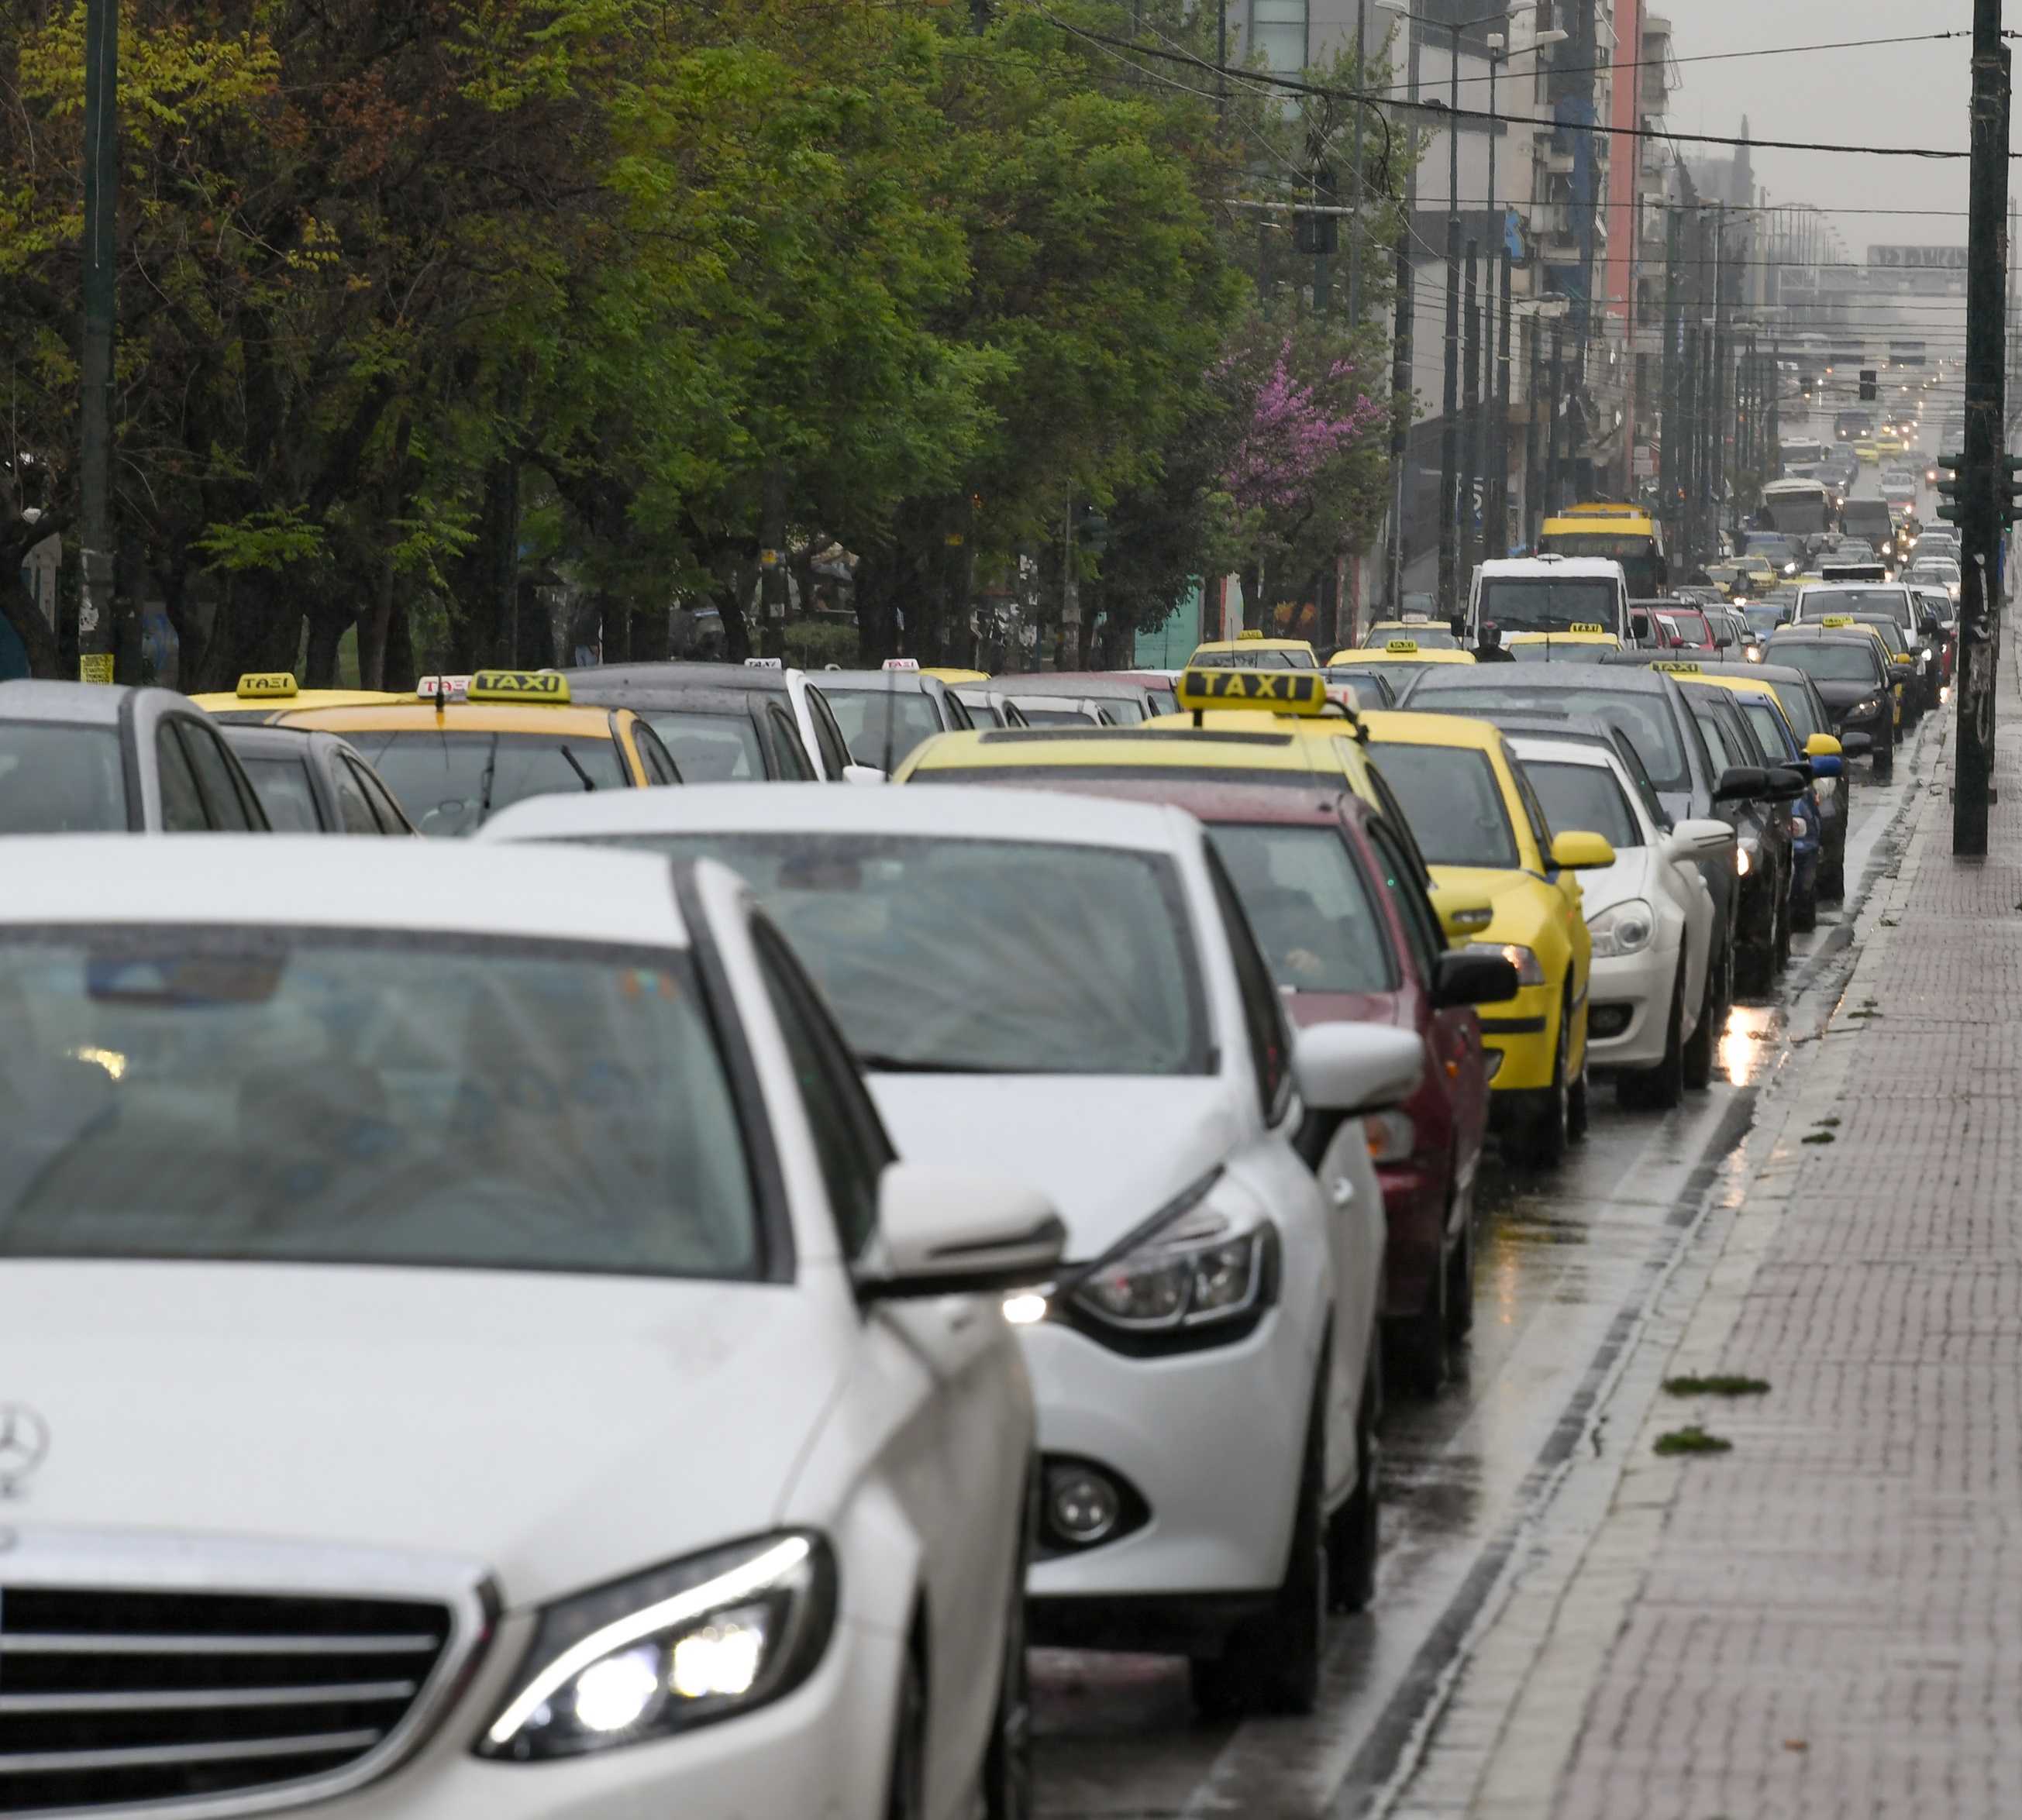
(1720, 1384)
(1818, 1137)
(1829, 1123)
(1692, 1440)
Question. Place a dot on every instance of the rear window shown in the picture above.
(1819, 602)
(449, 783)
(1308, 905)
(1826, 663)
(882, 725)
(56, 779)
(1452, 800)
(283, 785)
(1643, 715)
(711, 748)
(1585, 797)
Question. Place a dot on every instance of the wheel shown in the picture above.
(905, 1796)
(1460, 1277)
(1542, 1138)
(1781, 947)
(1353, 1539)
(1007, 1762)
(1832, 880)
(1805, 908)
(1418, 1342)
(1884, 765)
(1702, 1051)
(1577, 1105)
(1271, 1664)
(1659, 1088)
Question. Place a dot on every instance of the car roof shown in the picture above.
(982, 813)
(245, 736)
(587, 722)
(1400, 726)
(706, 700)
(1632, 678)
(308, 880)
(228, 704)
(81, 704)
(1082, 682)
(1565, 747)
(1323, 805)
(678, 674)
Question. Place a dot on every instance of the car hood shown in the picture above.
(1110, 1149)
(559, 1430)
(1519, 899)
(1839, 695)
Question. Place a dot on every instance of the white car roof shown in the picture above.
(1551, 565)
(948, 810)
(81, 704)
(269, 880)
(1564, 751)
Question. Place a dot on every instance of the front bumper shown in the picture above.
(1524, 1031)
(1641, 985)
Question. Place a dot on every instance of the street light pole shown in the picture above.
(101, 131)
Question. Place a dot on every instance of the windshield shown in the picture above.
(1835, 662)
(711, 748)
(882, 725)
(1262, 658)
(55, 779)
(304, 1096)
(1797, 706)
(283, 788)
(983, 957)
(1645, 716)
(1584, 796)
(1307, 906)
(1453, 801)
(1400, 675)
(1367, 685)
(1433, 637)
(1612, 545)
(1890, 602)
(1556, 651)
(1543, 603)
(450, 782)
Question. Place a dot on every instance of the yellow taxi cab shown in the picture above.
(262, 695)
(1423, 632)
(1252, 651)
(1580, 645)
(1900, 663)
(1866, 451)
(1398, 660)
(1482, 831)
(455, 756)
(1890, 443)
(955, 678)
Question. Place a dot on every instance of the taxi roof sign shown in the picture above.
(267, 685)
(1678, 666)
(442, 688)
(1274, 691)
(1837, 619)
(764, 663)
(1601, 629)
(1401, 647)
(902, 663)
(518, 686)
(1249, 632)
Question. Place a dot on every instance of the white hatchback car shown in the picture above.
(1067, 985)
(466, 1349)
(1650, 997)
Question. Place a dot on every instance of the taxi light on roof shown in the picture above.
(1274, 691)
(267, 685)
(1837, 619)
(1401, 647)
(1249, 631)
(518, 686)
(1678, 666)
(902, 663)
(442, 688)
(765, 663)
(1599, 629)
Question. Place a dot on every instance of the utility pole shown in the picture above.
(95, 628)
(1471, 474)
(1354, 168)
(1716, 391)
(1402, 390)
(1671, 448)
(1498, 482)
(1984, 476)
(1450, 392)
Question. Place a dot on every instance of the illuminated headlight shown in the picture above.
(715, 1635)
(1529, 971)
(1215, 1262)
(1392, 1136)
(1747, 850)
(1872, 705)
(1623, 928)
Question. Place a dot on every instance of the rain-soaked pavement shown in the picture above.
(1566, 1263)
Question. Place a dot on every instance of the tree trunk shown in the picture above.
(374, 627)
(328, 620)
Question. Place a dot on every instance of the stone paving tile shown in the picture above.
(1831, 1623)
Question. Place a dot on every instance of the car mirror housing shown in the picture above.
(1357, 1067)
(1462, 914)
(1827, 766)
(1853, 744)
(1822, 745)
(1698, 839)
(1741, 783)
(1784, 782)
(1473, 978)
(947, 1231)
(1578, 850)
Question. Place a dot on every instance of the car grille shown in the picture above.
(110, 1698)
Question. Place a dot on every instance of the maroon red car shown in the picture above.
(1336, 898)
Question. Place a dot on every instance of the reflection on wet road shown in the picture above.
(1566, 1260)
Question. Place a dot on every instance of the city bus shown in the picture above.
(1627, 535)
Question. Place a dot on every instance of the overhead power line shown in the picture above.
(1717, 56)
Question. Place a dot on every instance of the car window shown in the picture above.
(1644, 715)
(1740, 735)
(1796, 702)
(1263, 1011)
(57, 779)
(285, 794)
(1400, 879)
(1452, 800)
(223, 804)
(385, 810)
(828, 736)
(789, 755)
(354, 814)
(1639, 775)
(1768, 729)
(182, 802)
(1533, 811)
(1585, 797)
(711, 748)
(956, 711)
(326, 1097)
(882, 725)
(659, 762)
(1838, 662)
(1309, 906)
(449, 783)
(850, 1137)
(1720, 748)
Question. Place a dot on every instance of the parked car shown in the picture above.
(315, 783)
(699, 703)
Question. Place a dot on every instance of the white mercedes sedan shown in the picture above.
(467, 1348)
(1068, 987)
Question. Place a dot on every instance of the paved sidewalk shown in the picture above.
(1826, 1620)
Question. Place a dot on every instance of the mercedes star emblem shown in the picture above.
(24, 1438)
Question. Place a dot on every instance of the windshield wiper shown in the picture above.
(913, 1065)
(575, 765)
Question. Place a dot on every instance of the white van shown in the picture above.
(1548, 593)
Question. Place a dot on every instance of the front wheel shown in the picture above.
(1659, 1088)
(1542, 1139)
(1007, 1763)
(1700, 1052)
(1354, 1536)
(1884, 766)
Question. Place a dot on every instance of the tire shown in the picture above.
(1271, 1664)
(1659, 1088)
(1703, 1050)
(1354, 1537)
(1542, 1140)
(1805, 908)
(1780, 946)
(1579, 1106)
(906, 1794)
(1832, 881)
(1007, 1761)
(1460, 1278)
(1884, 765)
(1418, 1342)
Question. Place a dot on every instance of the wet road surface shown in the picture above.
(1567, 1261)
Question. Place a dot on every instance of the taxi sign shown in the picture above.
(1401, 647)
(1837, 619)
(1249, 631)
(1601, 629)
(518, 686)
(1678, 666)
(764, 663)
(267, 685)
(442, 688)
(1277, 692)
(902, 663)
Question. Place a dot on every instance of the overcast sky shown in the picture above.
(1897, 94)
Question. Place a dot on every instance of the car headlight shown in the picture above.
(698, 1640)
(1210, 1266)
(1747, 850)
(1529, 971)
(1623, 929)
(1869, 705)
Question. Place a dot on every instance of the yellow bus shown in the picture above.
(1624, 534)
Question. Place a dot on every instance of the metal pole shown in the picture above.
(1354, 222)
(1471, 424)
(1498, 544)
(1670, 449)
(102, 133)
(1983, 477)
(1402, 388)
(1450, 392)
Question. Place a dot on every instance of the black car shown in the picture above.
(722, 722)
(315, 783)
(1849, 672)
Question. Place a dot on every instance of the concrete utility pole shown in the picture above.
(1983, 491)
(1401, 386)
(1671, 449)
(1471, 424)
(95, 628)
(1355, 168)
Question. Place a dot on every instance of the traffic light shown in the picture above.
(1949, 505)
(2011, 490)
(1868, 392)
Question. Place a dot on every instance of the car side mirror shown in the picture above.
(1698, 839)
(945, 1232)
(1785, 782)
(1578, 850)
(1462, 978)
(1355, 1068)
(1934, 627)
(863, 774)
(1856, 745)
(1821, 746)
(1462, 914)
(1741, 783)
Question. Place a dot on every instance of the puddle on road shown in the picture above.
(1751, 1044)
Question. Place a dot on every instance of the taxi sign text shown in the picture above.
(1602, 629)
(1249, 632)
(1678, 666)
(902, 663)
(518, 686)
(1837, 619)
(1280, 692)
(764, 663)
(1400, 646)
(266, 685)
